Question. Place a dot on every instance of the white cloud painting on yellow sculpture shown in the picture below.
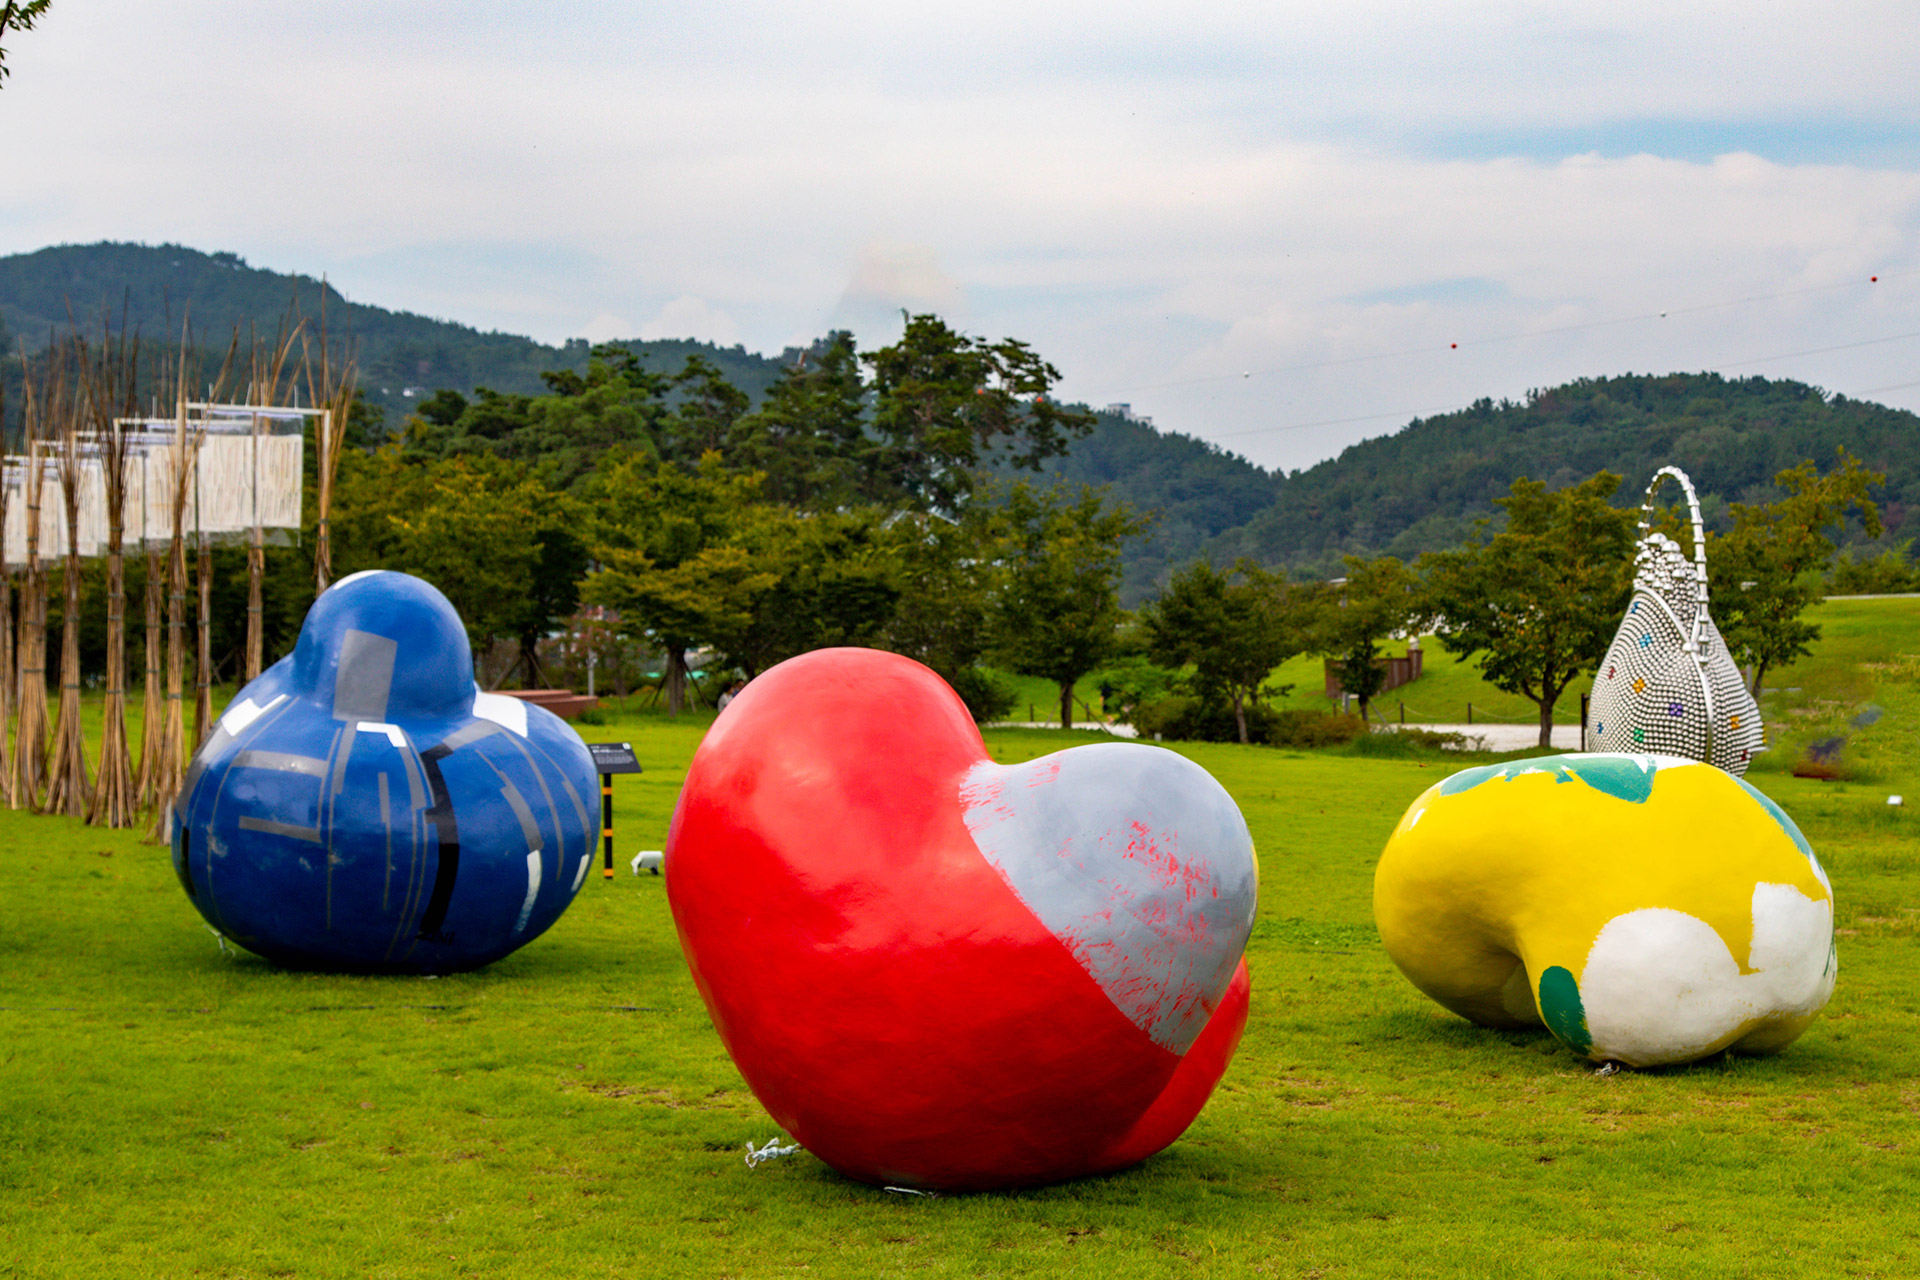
(1646, 909)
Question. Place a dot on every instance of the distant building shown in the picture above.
(1126, 413)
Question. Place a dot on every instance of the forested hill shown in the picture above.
(1198, 493)
(1423, 487)
(397, 350)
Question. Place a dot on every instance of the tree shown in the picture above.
(1378, 598)
(809, 435)
(704, 418)
(948, 571)
(1234, 628)
(1765, 568)
(502, 547)
(942, 401)
(485, 533)
(615, 404)
(1542, 598)
(671, 564)
(18, 15)
(1058, 603)
(832, 581)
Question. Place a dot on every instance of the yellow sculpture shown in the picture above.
(1647, 909)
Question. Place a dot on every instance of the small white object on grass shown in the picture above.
(648, 860)
(1897, 802)
(772, 1151)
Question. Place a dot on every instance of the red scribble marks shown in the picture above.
(1159, 853)
(1048, 771)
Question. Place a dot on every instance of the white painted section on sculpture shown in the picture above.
(393, 732)
(245, 711)
(1138, 861)
(533, 891)
(1662, 986)
(508, 713)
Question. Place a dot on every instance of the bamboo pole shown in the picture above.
(115, 799)
(8, 675)
(256, 573)
(171, 765)
(203, 651)
(30, 737)
(152, 702)
(69, 791)
(269, 368)
(332, 394)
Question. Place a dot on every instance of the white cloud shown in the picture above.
(1158, 201)
(605, 327)
(686, 317)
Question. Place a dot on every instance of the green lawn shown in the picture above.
(167, 1109)
(1856, 631)
(1441, 695)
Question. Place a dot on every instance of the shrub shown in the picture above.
(1186, 718)
(1889, 573)
(1402, 744)
(1131, 683)
(1314, 729)
(988, 696)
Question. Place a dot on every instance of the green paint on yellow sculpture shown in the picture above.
(1622, 778)
(1560, 1008)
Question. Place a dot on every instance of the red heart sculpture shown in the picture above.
(937, 972)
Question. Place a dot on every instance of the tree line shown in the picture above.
(1536, 602)
(887, 498)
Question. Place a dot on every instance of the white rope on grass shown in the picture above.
(772, 1151)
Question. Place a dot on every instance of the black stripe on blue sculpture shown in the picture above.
(363, 806)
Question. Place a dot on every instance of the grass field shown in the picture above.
(169, 1109)
(1442, 694)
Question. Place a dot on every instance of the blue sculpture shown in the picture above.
(363, 806)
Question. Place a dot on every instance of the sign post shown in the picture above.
(610, 758)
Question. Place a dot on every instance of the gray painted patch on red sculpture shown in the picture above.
(1138, 861)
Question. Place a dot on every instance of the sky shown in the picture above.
(1283, 227)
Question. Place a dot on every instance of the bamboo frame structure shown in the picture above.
(234, 471)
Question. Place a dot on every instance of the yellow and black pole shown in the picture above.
(606, 822)
(610, 758)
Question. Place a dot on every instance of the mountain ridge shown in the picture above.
(1419, 488)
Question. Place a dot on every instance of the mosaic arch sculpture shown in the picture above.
(940, 972)
(1668, 683)
(363, 806)
(1648, 910)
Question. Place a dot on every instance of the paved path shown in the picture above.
(1491, 737)
(1506, 737)
(1117, 730)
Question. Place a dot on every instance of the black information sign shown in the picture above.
(613, 757)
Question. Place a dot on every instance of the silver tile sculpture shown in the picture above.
(1668, 684)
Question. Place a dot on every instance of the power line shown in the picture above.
(1817, 351)
(1712, 368)
(1428, 349)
